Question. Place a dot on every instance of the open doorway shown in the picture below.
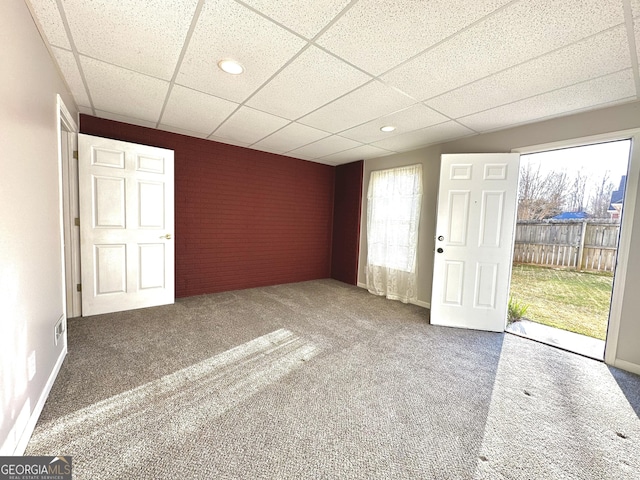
(570, 205)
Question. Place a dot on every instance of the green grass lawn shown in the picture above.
(574, 301)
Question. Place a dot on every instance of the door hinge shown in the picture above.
(75, 154)
(76, 222)
(79, 287)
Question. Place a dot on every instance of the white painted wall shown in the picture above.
(618, 118)
(31, 288)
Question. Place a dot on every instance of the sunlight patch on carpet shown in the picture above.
(175, 408)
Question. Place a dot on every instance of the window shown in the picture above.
(393, 214)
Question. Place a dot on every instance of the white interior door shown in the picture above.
(126, 225)
(474, 240)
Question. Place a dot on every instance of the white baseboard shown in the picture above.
(422, 304)
(628, 366)
(37, 410)
(419, 303)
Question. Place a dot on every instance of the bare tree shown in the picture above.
(575, 197)
(540, 196)
(601, 198)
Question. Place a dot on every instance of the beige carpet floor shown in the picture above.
(321, 380)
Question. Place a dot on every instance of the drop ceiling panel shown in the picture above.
(226, 29)
(196, 111)
(490, 62)
(124, 119)
(228, 141)
(597, 56)
(124, 92)
(520, 32)
(377, 35)
(248, 125)
(69, 67)
(182, 131)
(326, 146)
(144, 36)
(359, 153)
(310, 81)
(617, 87)
(412, 118)
(51, 22)
(426, 136)
(366, 103)
(317, 13)
(636, 27)
(294, 135)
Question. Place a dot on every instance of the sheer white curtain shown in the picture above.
(393, 215)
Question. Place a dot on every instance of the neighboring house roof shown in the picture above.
(617, 196)
(571, 216)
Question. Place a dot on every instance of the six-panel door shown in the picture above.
(126, 225)
(474, 240)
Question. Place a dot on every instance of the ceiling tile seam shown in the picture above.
(631, 39)
(264, 84)
(291, 122)
(201, 91)
(394, 113)
(335, 99)
(41, 30)
(353, 148)
(286, 64)
(454, 139)
(397, 89)
(321, 139)
(450, 37)
(344, 60)
(340, 97)
(540, 94)
(121, 67)
(373, 144)
(516, 65)
(475, 132)
(451, 119)
(334, 20)
(302, 116)
(576, 111)
(183, 51)
(49, 46)
(292, 31)
(272, 20)
(275, 131)
(74, 51)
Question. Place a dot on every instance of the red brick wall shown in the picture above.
(243, 218)
(346, 222)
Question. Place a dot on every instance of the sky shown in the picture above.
(594, 160)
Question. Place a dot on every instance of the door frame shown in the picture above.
(626, 224)
(68, 184)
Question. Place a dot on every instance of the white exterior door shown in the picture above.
(474, 240)
(126, 225)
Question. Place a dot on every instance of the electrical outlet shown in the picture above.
(59, 329)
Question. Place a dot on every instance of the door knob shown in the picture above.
(167, 236)
(440, 238)
(440, 250)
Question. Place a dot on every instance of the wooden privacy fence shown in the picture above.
(581, 245)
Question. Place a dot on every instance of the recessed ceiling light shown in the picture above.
(387, 128)
(230, 66)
